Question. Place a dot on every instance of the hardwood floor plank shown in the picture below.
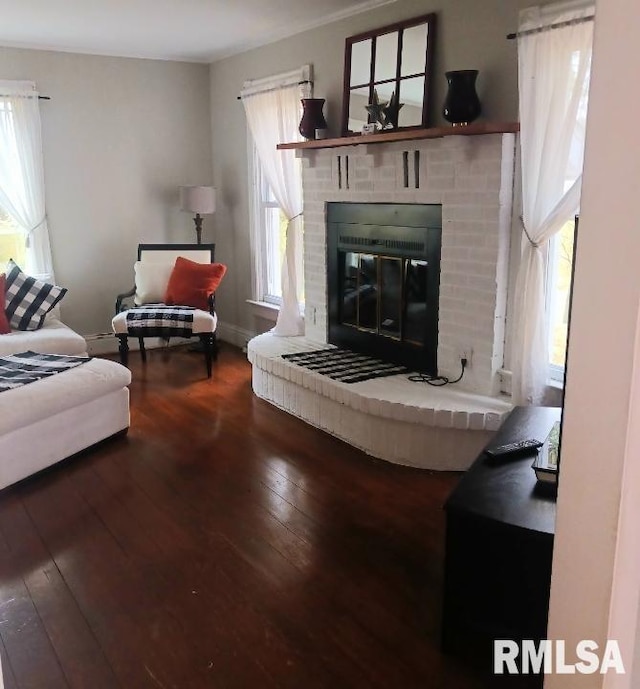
(6, 671)
(177, 532)
(304, 527)
(32, 657)
(181, 597)
(242, 558)
(239, 450)
(112, 594)
(283, 543)
(77, 650)
(224, 543)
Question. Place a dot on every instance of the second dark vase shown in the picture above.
(461, 106)
(312, 117)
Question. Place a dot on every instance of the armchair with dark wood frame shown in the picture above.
(204, 322)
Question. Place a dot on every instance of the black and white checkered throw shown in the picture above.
(159, 320)
(27, 367)
(344, 365)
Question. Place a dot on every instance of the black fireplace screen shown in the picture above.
(383, 280)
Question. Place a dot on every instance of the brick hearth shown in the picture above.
(472, 178)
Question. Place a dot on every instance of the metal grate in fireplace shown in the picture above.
(389, 244)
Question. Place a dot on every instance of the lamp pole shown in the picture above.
(198, 221)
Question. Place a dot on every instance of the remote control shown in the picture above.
(523, 447)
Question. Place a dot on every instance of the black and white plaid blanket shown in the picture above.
(27, 367)
(159, 320)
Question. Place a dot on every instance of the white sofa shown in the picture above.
(53, 338)
(51, 419)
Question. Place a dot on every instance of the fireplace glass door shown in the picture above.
(381, 294)
(383, 276)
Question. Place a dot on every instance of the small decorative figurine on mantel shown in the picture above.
(392, 111)
(376, 110)
(384, 113)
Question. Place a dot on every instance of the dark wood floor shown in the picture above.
(222, 543)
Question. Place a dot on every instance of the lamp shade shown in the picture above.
(198, 199)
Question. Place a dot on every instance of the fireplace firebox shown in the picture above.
(383, 273)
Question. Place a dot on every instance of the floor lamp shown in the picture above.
(198, 200)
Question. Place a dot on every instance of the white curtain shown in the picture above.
(273, 117)
(22, 172)
(553, 79)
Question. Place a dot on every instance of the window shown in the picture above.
(559, 268)
(554, 60)
(12, 241)
(561, 249)
(274, 99)
(271, 237)
(23, 226)
(270, 234)
(12, 244)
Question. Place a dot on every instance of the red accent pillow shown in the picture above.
(191, 283)
(5, 328)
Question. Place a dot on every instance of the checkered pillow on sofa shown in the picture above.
(28, 300)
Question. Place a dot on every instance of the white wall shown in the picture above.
(119, 137)
(470, 34)
(596, 568)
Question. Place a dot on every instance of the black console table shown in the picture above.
(499, 543)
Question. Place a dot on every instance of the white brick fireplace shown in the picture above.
(472, 178)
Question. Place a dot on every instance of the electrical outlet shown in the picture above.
(465, 352)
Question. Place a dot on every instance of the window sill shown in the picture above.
(557, 384)
(505, 377)
(264, 309)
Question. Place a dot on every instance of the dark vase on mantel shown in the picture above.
(312, 117)
(461, 106)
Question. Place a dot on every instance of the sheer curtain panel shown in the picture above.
(273, 117)
(22, 172)
(553, 80)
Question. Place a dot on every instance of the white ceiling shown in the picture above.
(187, 30)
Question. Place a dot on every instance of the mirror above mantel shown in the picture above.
(395, 61)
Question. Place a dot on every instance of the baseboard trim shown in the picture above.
(101, 343)
(234, 334)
